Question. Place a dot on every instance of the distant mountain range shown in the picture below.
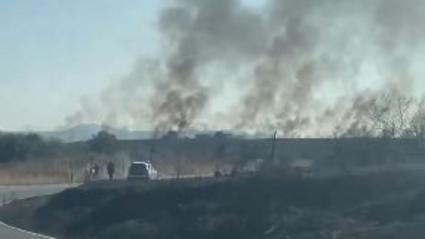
(85, 132)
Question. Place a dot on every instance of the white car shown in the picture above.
(142, 170)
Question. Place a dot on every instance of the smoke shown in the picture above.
(309, 68)
(199, 33)
(318, 45)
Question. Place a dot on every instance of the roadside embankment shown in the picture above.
(239, 207)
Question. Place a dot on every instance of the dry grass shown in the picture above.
(32, 173)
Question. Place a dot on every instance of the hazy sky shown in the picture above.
(53, 52)
(56, 53)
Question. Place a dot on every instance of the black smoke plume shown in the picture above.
(304, 67)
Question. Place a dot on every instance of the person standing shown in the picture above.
(111, 170)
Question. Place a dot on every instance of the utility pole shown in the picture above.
(272, 154)
(151, 150)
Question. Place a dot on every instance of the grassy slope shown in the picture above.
(245, 207)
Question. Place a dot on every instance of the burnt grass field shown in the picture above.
(378, 205)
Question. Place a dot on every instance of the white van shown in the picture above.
(142, 170)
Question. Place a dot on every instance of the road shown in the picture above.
(10, 193)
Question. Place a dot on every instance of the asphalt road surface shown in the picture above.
(10, 193)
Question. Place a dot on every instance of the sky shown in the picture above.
(55, 52)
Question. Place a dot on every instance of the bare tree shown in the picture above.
(391, 114)
(404, 114)
(417, 123)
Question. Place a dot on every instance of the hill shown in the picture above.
(84, 132)
(249, 207)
